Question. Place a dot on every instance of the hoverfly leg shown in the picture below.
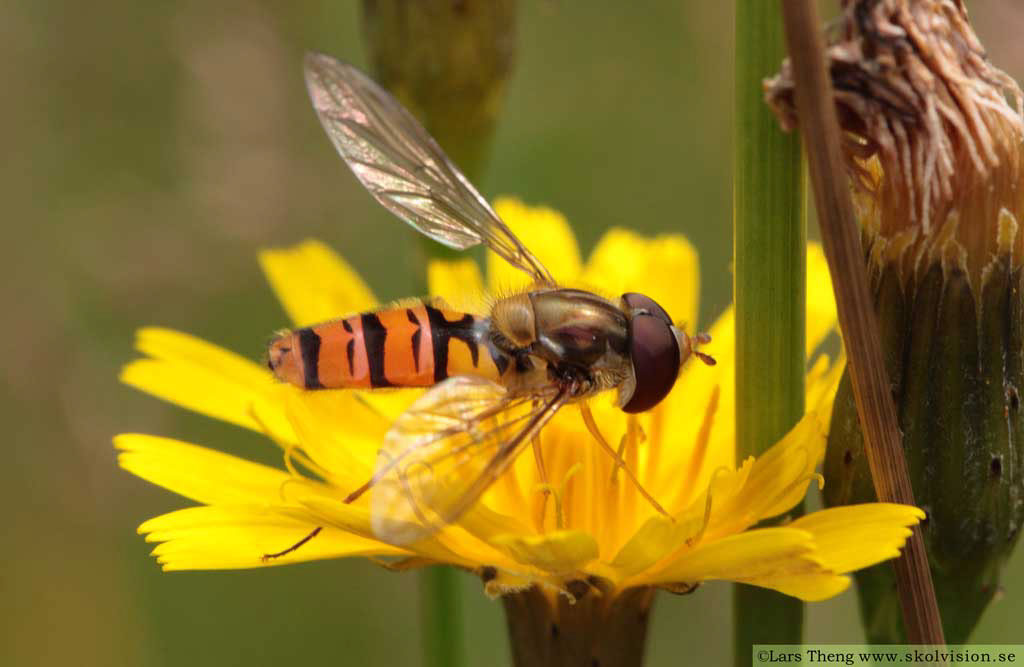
(376, 477)
(694, 539)
(352, 497)
(621, 454)
(313, 533)
(588, 419)
(545, 486)
(633, 436)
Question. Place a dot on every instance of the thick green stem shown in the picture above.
(769, 235)
(441, 625)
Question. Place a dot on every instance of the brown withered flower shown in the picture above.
(933, 140)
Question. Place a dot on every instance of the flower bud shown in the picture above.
(448, 62)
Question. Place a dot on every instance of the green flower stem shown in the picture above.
(769, 232)
(441, 624)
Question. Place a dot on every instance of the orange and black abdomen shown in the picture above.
(414, 346)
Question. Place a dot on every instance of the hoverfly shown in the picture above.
(494, 380)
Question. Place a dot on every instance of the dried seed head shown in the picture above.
(933, 134)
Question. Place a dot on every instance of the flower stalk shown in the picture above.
(769, 290)
(867, 372)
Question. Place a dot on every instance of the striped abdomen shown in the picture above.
(416, 346)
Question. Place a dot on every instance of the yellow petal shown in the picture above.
(822, 381)
(208, 379)
(458, 282)
(486, 524)
(811, 587)
(723, 514)
(338, 431)
(222, 537)
(681, 414)
(198, 473)
(514, 544)
(779, 477)
(857, 536)
(314, 284)
(664, 268)
(753, 555)
(766, 486)
(821, 303)
(693, 389)
(170, 345)
(783, 559)
(358, 520)
(559, 552)
(656, 538)
(546, 233)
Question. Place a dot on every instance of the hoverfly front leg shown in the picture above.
(633, 436)
(588, 419)
(545, 486)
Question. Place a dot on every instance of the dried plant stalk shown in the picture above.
(841, 240)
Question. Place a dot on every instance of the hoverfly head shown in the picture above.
(657, 350)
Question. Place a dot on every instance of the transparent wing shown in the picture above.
(403, 167)
(446, 450)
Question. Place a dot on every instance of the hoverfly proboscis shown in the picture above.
(494, 380)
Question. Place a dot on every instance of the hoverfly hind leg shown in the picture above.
(376, 477)
(266, 558)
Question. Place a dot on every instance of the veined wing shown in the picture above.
(403, 167)
(446, 450)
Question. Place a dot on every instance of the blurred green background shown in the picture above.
(153, 148)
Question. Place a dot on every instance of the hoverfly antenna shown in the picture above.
(689, 345)
(703, 339)
(706, 358)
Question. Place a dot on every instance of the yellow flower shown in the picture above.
(593, 524)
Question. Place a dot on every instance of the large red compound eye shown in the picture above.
(635, 301)
(654, 351)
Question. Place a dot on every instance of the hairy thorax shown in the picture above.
(577, 338)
